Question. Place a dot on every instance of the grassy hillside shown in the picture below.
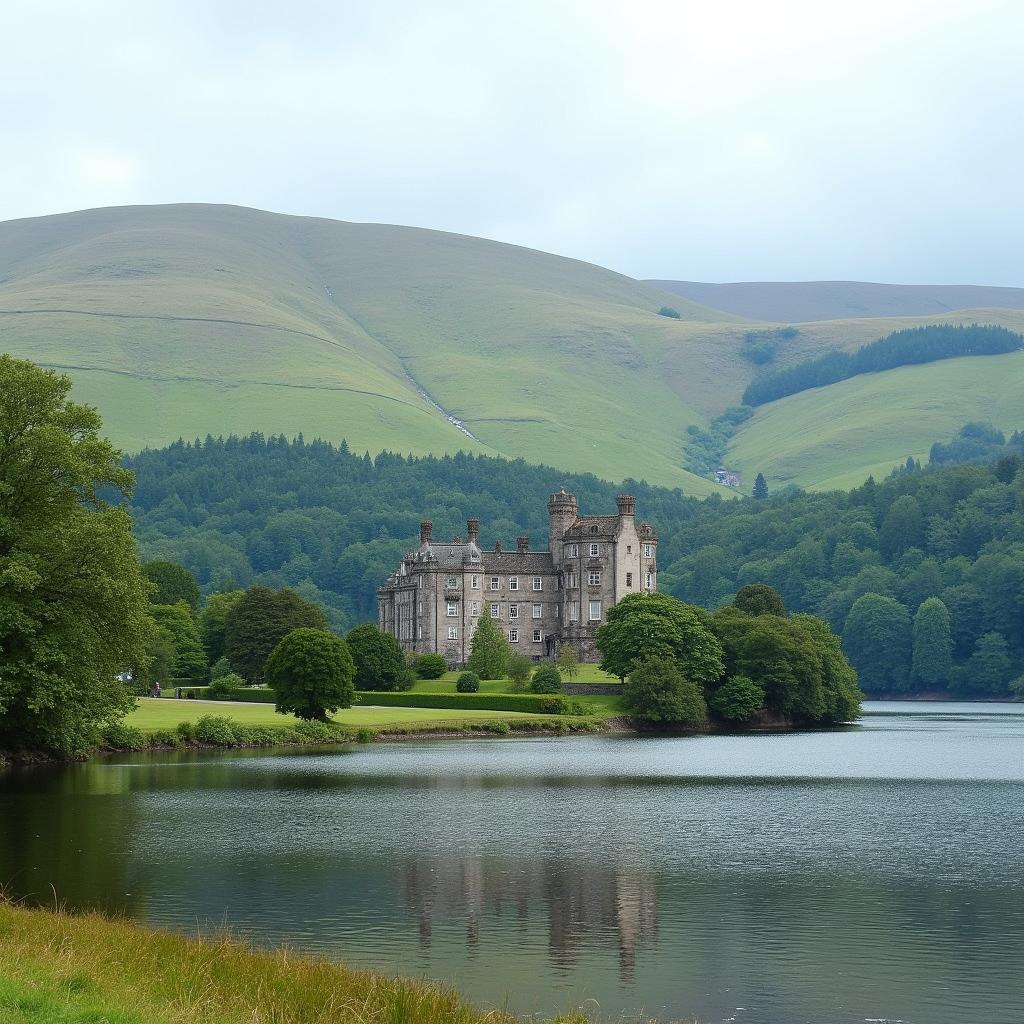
(834, 436)
(801, 301)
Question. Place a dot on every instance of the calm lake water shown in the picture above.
(873, 874)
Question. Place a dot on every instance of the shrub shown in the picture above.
(364, 736)
(431, 666)
(527, 702)
(321, 732)
(187, 731)
(468, 682)
(658, 691)
(222, 686)
(118, 736)
(671, 313)
(495, 725)
(547, 679)
(738, 699)
(519, 668)
(216, 731)
(165, 738)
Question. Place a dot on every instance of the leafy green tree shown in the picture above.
(468, 682)
(738, 699)
(159, 668)
(431, 666)
(489, 650)
(220, 668)
(379, 659)
(760, 491)
(518, 669)
(311, 672)
(877, 640)
(73, 600)
(840, 691)
(932, 661)
(568, 661)
(989, 668)
(902, 528)
(658, 691)
(213, 621)
(759, 599)
(189, 656)
(546, 680)
(173, 583)
(668, 311)
(259, 621)
(644, 626)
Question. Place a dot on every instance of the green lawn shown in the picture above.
(165, 713)
(446, 684)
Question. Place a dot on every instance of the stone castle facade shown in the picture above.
(540, 599)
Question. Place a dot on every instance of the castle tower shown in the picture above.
(563, 510)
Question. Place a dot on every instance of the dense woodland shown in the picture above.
(901, 348)
(332, 524)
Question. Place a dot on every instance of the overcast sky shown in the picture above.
(707, 140)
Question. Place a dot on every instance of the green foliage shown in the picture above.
(760, 491)
(759, 599)
(705, 449)
(489, 650)
(738, 699)
(259, 621)
(932, 640)
(658, 691)
(224, 687)
(118, 736)
(221, 668)
(760, 347)
(546, 680)
(431, 666)
(528, 703)
(901, 348)
(981, 442)
(73, 599)
(877, 640)
(379, 659)
(172, 583)
(164, 738)
(989, 668)
(215, 731)
(568, 661)
(311, 671)
(518, 669)
(644, 626)
(175, 622)
(669, 312)
(468, 682)
(213, 621)
(902, 528)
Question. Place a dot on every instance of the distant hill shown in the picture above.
(803, 301)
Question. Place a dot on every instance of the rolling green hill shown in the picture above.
(189, 319)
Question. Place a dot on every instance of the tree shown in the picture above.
(658, 691)
(932, 660)
(840, 692)
(379, 659)
(175, 620)
(431, 666)
(737, 699)
(902, 528)
(760, 491)
(259, 621)
(213, 621)
(643, 626)
(73, 600)
(568, 661)
(489, 650)
(468, 682)
(669, 312)
(877, 640)
(989, 668)
(759, 599)
(518, 669)
(546, 680)
(311, 672)
(173, 583)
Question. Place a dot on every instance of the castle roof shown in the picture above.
(584, 526)
(518, 561)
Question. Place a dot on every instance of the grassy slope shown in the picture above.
(834, 436)
(61, 969)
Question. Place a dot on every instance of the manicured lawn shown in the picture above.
(446, 684)
(166, 713)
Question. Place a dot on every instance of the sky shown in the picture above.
(710, 141)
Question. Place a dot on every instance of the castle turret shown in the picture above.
(627, 505)
(473, 530)
(563, 510)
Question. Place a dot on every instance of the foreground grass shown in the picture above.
(61, 969)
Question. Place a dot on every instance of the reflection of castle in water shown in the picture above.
(583, 904)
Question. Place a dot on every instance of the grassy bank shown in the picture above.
(61, 969)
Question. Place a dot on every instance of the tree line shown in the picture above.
(901, 348)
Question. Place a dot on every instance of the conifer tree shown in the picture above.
(489, 650)
(760, 487)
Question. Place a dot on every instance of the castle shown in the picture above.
(540, 599)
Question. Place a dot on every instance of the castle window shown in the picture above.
(474, 582)
(593, 529)
(513, 611)
(474, 609)
(570, 582)
(474, 557)
(574, 611)
(572, 550)
(650, 581)
(648, 551)
(536, 636)
(494, 611)
(419, 632)
(419, 608)
(595, 549)
(495, 583)
(594, 578)
(538, 583)
(595, 611)
(538, 610)
(453, 632)
(453, 608)
(513, 583)
(629, 580)
(513, 636)
(451, 583)
(629, 549)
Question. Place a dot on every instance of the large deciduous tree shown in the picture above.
(759, 599)
(379, 659)
(73, 600)
(177, 624)
(213, 621)
(259, 621)
(172, 583)
(932, 660)
(877, 640)
(658, 691)
(311, 672)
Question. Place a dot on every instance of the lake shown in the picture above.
(870, 874)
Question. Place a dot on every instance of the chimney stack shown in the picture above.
(627, 504)
(473, 530)
(497, 547)
(523, 544)
(426, 528)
